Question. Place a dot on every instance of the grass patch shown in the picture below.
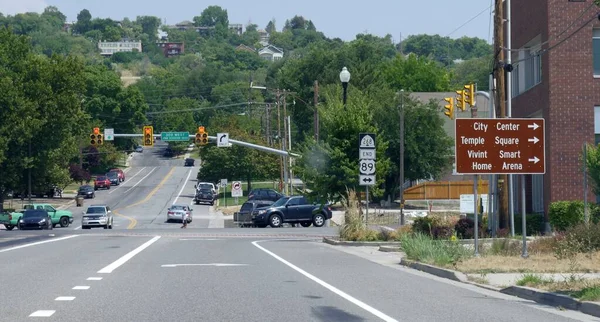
(591, 293)
(580, 288)
(533, 280)
(424, 249)
(536, 263)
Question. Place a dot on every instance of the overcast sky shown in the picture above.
(343, 19)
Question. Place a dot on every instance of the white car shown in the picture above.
(180, 213)
(97, 216)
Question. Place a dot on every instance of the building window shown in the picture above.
(596, 50)
(515, 81)
(532, 66)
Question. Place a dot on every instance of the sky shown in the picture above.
(341, 19)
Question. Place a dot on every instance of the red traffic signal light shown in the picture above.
(96, 130)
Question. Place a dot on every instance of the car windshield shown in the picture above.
(205, 190)
(281, 202)
(205, 186)
(177, 208)
(34, 214)
(100, 178)
(86, 188)
(95, 210)
(112, 175)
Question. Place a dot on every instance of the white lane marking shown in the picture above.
(94, 278)
(117, 188)
(81, 287)
(333, 289)
(37, 243)
(200, 239)
(42, 313)
(142, 179)
(78, 227)
(114, 265)
(212, 264)
(184, 184)
(65, 298)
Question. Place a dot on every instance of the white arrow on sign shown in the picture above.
(534, 160)
(534, 140)
(533, 126)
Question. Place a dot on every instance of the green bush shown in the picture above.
(535, 224)
(578, 239)
(424, 249)
(424, 225)
(565, 214)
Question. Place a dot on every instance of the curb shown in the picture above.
(334, 242)
(440, 272)
(528, 293)
(389, 249)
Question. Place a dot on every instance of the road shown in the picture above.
(147, 270)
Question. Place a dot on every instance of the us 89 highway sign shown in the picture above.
(367, 167)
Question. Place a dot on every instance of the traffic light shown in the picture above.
(100, 139)
(470, 94)
(460, 100)
(449, 107)
(201, 136)
(95, 136)
(148, 136)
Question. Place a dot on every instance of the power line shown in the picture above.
(203, 108)
(464, 24)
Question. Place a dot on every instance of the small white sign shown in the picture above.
(109, 134)
(366, 167)
(366, 180)
(367, 141)
(223, 140)
(366, 154)
(467, 205)
(236, 189)
(223, 182)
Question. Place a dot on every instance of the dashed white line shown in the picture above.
(142, 179)
(65, 298)
(78, 227)
(81, 287)
(37, 243)
(42, 313)
(184, 184)
(133, 176)
(333, 289)
(114, 265)
(94, 278)
(200, 239)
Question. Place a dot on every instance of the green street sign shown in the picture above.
(175, 136)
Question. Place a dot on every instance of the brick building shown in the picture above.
(171, 49)
(556, 75)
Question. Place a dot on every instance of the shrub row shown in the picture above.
(565, 214)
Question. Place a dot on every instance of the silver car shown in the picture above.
(97, 216)
(179, 213)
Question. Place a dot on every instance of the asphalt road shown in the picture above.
(148, 270)
(182, 276)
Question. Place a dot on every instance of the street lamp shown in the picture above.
(345, 78)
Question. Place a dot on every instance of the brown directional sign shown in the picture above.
(500, 146)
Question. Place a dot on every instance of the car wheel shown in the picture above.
(261, 226)
(9, 227)
(105, 226)
(275, 221)
(94, 196)
(212, 203)
(319, 220)
(85, 227)
(50, 226)
(306, 224)
(64, 222)
(111, 224)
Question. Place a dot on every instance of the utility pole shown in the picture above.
(316, 103)
(279, 136)
(284, 145)
(29, 173)
(401, 166)
(500, 101)
(268, 125)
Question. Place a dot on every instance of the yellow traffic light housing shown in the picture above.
(449, 107)
(148, 139)
(100, 139)
(470, 94)
(201, 136)
(94, 136)
(460, 100)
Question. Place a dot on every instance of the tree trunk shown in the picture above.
(249, 180)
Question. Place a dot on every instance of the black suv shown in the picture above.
(264, 194)
(189, 162)
(294, 209)
(244, 216)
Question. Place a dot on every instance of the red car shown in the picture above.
(120, 173)
(101, 182)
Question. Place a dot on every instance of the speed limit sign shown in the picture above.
(367, 167)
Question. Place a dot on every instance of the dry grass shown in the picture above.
(536, 263)
(580, 288)
(228, 211)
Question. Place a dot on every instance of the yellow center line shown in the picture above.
(133, 221)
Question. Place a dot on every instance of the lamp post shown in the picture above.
(345, 78)
(401, 166)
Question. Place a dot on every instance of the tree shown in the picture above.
(475, 70)
(416, 74)
(84, 22)
(271, 28)
(149, 26)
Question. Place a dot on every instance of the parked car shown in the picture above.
(86, 191)
(35, 219)
(120, 173)
(189, 162)
(97, 216)
(179, 213)
(139, 149)
(264, 194)
(202, 185)
(168, 153)
(113, 177)
(294, 209)
(204, 195)
(101, 182)
(62, 217)
(244, 216)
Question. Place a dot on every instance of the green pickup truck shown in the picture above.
(59, 217)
